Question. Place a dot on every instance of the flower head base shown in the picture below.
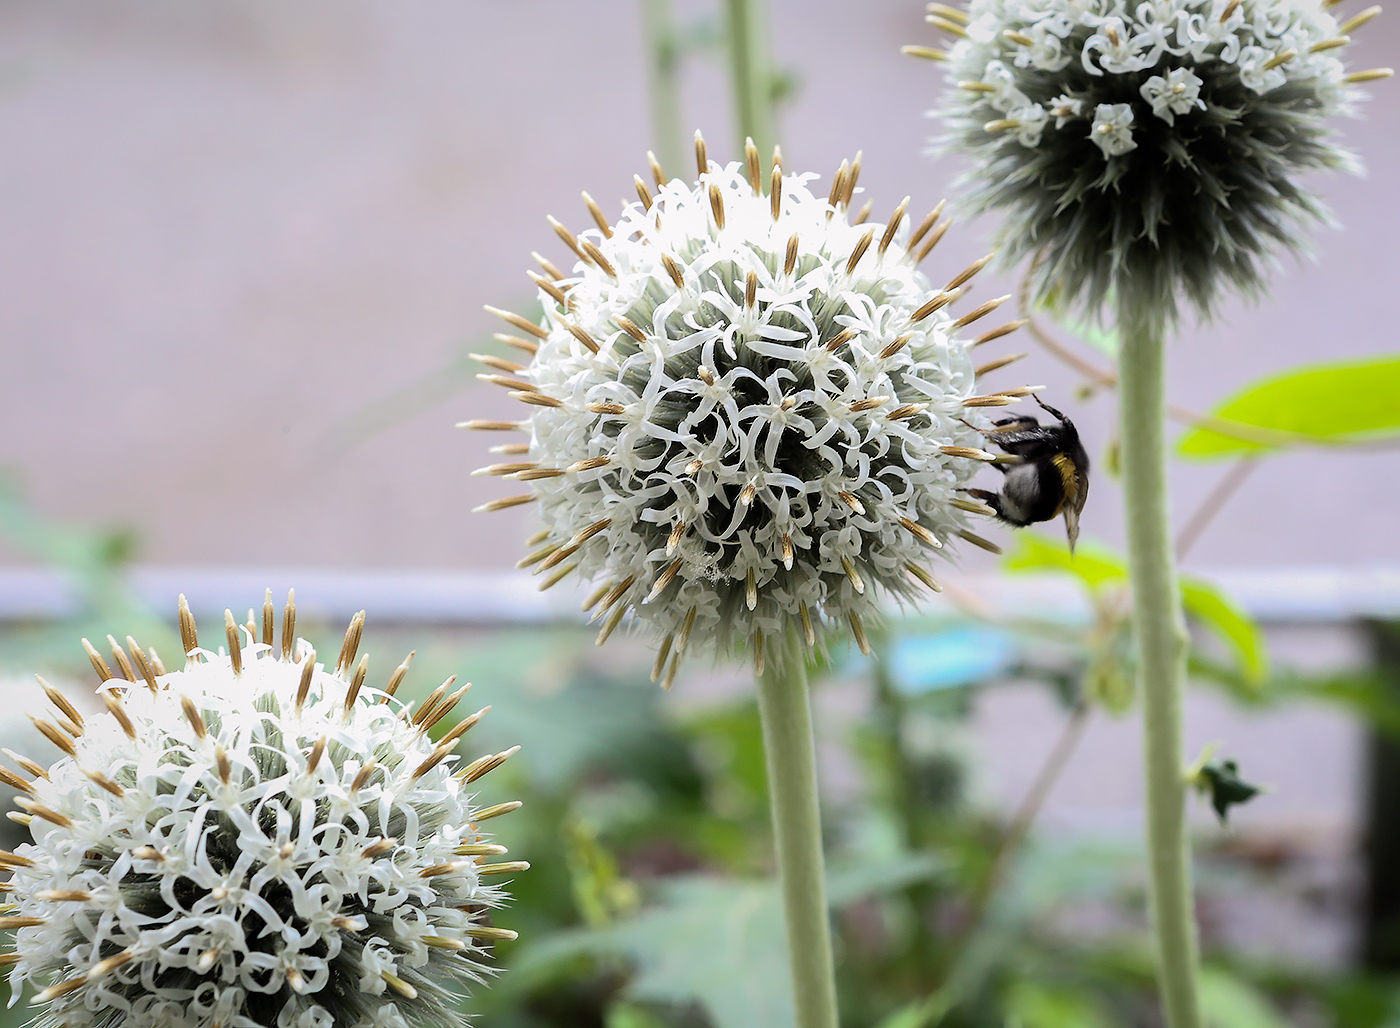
(1151, 147)
(747, 413)
(251, 841)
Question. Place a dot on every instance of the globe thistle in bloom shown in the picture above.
(251, 841)
(747, 412)
(1154, 147)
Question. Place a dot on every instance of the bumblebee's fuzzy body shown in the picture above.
(1051, 478)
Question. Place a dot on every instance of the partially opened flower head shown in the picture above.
(1155, 147)
(251, 841)
(746, 411)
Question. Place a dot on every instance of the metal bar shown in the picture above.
(1276, 595)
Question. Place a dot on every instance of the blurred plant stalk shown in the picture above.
(663, 80)
(751, 73)
(1160, 633)
(785, 710)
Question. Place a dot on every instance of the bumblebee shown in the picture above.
(1051, 478)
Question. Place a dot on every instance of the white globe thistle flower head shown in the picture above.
(1154, 147)
(748, 412)
(254, 840)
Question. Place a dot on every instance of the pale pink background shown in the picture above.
(228, 228)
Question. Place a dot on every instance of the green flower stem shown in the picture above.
(785, 710)
(663, 82)
(1160, 633)
(750, 73)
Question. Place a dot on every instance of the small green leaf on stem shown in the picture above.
(1220, 781)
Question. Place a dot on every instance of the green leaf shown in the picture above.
(1338, 403)
(1229, 1002)
(1037, 1005)
(717, 942)
(629, 1015)
(1216, 611)
(1220, 781)
(911, 1015)
(1095, 565)
(1368, 695)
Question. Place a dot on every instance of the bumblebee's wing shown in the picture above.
(1025, 438)
(1071, 526)
(1075, 506)
(1081, 490)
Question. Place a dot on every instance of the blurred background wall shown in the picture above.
(246, 243)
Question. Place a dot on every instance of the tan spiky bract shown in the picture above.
(251, 841)
(746, 412)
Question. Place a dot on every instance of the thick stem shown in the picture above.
(786, 713)
(1160, 633)
(751, 72)
(663, 82)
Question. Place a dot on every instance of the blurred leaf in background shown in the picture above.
(1100, 569)
(646, 823)
(92, 564)
(1343, 402)
(717, 943)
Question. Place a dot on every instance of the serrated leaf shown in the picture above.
(1094, 565)
(1232, 624)
(1340, 402)
(719, 943)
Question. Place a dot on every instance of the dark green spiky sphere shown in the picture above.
(1151, 150)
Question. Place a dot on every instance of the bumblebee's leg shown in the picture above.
(1005, 430)
(1049, 409)
(992, 500)
(1020, 421)
(1022, 436)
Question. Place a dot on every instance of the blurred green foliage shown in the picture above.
(649, 902)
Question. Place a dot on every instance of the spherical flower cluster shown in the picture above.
(251, 841)
(748, 414)
(1152, 146)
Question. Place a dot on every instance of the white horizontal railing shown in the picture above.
(1299, 594)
